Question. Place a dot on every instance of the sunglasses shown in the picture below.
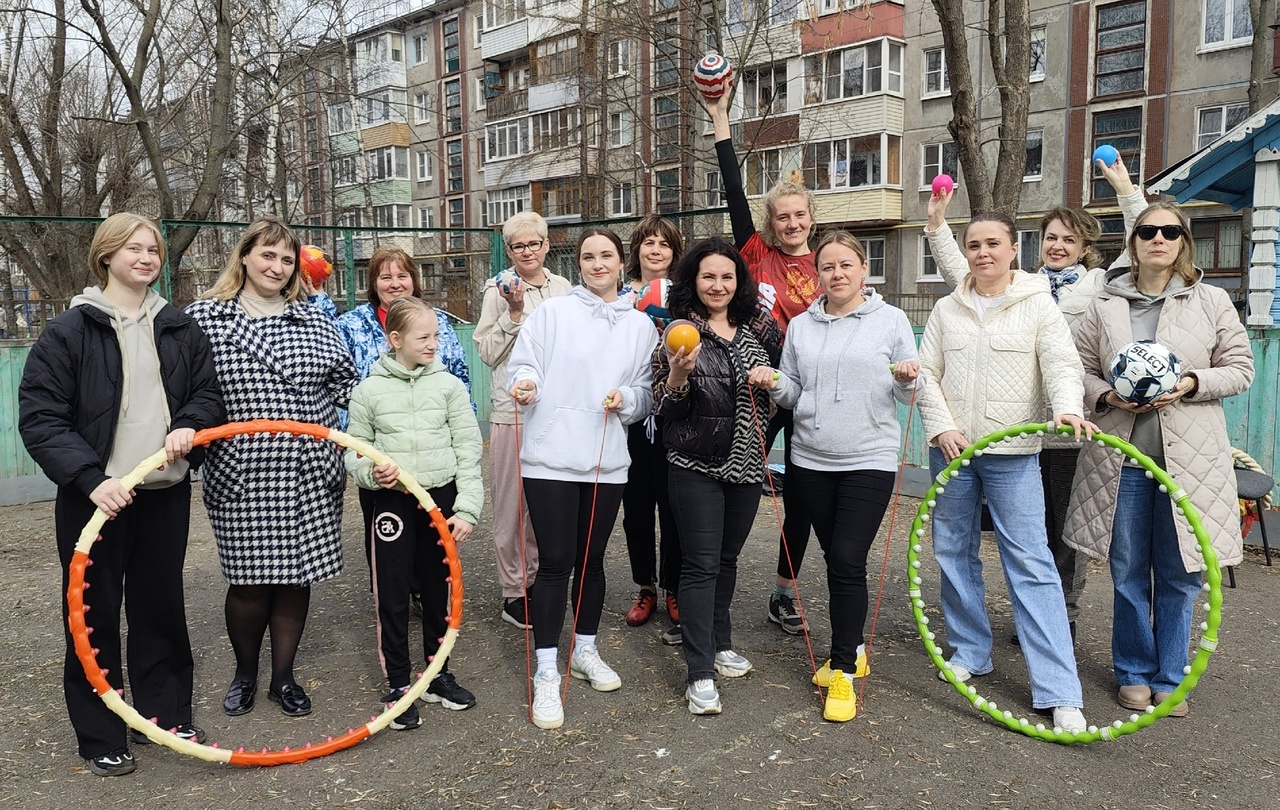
(529, 246)
(1170, 232)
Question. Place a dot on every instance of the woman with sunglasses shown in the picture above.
(1116, 509)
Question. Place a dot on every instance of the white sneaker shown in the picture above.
(587, 665)
(1069, 719)
(961, 672)
(731, 665)
(703, 697)
(547, 710)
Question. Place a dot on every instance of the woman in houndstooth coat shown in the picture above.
(275, 502)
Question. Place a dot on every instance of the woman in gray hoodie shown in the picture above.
(844, 363)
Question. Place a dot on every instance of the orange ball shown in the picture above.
(315, 264)
(682, 335)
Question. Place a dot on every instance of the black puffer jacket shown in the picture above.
(700, 424)
(72, 384)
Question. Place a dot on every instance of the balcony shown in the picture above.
(506, 105)
(505, 41)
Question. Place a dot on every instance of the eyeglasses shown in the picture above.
(1170, 232)
(532, 247)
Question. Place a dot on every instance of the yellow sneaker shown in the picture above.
(823, 676)
(841, 705)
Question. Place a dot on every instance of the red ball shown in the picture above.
(316, 264)
(712, 75)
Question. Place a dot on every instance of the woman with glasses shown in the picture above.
(1116, 510)
(503, 313)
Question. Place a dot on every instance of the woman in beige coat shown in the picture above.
(1116, 510)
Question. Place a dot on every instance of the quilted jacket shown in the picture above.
(423, 420)
(981, 376)
(1201, 326)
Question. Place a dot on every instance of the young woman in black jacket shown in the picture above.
(118, 376)
(714, 446)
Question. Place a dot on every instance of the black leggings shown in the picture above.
(647, 487)
(794, 540)
(561, 515)
(847, 508)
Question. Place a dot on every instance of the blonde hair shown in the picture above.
(840, 237)
(793, 186)
(262, 231)
(402, 313)
(1184, 264)
(524, 222)
(111, 235)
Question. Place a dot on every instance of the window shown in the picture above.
(715, 192)
(420, 49)
(852, 162)
(557, 58)
(1029, 250)
(344, 170)
(1214, 122)
(1120, 48)
(557, 129)
(449, 34)
(431, 280)
(426, 216)
(481, 91)
(782, 11)
(477, 30)
(384, 105)
(928, 267)
(424, 165)
(507, 139)
(1219, 246)
(666, 55)
(936, 80)
(453, 153)
(668, 181)
(622, 193)
(619, 57)
(666, 135)
(315, 189)
(397, 47)
(561, 198)
(939, 158)
(457, 213)
(502, 12)
(764, 169)
(389, 163)
(1039, 53)
(764, 91)
(1227, 22)
(1035, 155)
(391, 216)
(506, 203)
(852, 72)
(875, 259)
(340, 118)
(621, 128)
(421, 108)
(311, 134)
(453, 105)
(1123, 130)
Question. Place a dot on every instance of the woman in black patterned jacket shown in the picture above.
(714, 439)
(275, 501)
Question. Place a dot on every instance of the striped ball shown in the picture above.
(712, 75)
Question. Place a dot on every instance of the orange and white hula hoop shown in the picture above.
(212, 753)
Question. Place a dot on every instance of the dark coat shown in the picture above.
(72, 385)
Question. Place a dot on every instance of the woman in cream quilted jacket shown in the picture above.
(1116, 510)
(991, 350)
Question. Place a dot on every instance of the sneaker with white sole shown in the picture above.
(783, 612)
(548, 712)
(961, 672)
(408, 719)
(117, 763)
(1069, 719)
(731, 665)
(823, 676)
(446, 691)
(587, 665)
(673, 637)
(703, 697)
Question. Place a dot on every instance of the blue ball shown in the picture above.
(1107, 154)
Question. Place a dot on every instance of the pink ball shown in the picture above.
(712, 75)
(943, 182)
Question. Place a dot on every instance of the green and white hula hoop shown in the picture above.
(1182, 505)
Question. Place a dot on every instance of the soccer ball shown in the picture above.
(1144, 370)
(652, 300)
(315, 264)
(712, 75)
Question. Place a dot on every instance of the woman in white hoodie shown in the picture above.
(573, 452)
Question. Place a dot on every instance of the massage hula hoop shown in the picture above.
(212, 753)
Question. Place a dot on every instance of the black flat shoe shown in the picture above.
(293, 701)
(239, 699)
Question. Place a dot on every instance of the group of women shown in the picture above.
(791, 340)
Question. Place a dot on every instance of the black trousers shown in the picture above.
(405, 551)
(847, 508)
(561, 515)
(1057, 471)
(795, 519)
(646, 488)
(138, 562)
(715, 519)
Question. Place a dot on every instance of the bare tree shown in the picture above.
(1262, 13)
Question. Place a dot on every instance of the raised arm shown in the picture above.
(730, 173)
(942, 242)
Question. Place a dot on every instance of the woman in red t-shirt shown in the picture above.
(781, 263)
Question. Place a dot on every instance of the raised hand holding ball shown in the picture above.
(507, 280)
(943, 184)
(681, 335)
(1107, 154)
(712, 76)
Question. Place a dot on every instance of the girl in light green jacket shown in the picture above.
(420, 415)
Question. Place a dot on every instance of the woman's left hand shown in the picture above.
(905, 371)
(613, 402)
(1077, 422)
(307, 287)
(459, 528)
(178, 443)
(763, 377)
(386, 474)
(1187, 383)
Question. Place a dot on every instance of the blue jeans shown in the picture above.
(1151, 628)
(1016, 501)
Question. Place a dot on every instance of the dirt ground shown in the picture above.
(914, 744)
